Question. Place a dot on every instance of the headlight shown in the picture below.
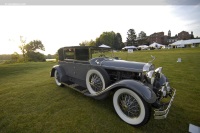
(158, 72)
(151, 76)
(148, 67)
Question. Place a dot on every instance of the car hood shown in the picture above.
(123, 65)
(120, 64)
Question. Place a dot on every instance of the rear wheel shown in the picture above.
(57, 79)
(130, 107)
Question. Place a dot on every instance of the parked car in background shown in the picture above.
(136, 86)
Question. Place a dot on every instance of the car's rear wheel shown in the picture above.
(130, 107)
(96, 80)
(57, 78)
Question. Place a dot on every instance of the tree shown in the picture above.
(31, 53)
(35, 56)
(91, 43)
(118, 44)
(15, 57)
(98, 42)
(29, 50)
(22, 46)
(84, 43)
(34, 45)
(107, 38)
(142, 35)
(192, 36)
(87, 43)
(49, 56)
(142, 38)
(131, 37)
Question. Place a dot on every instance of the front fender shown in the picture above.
(61, 72)
(143, 91)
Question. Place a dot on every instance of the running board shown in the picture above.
(76, 87)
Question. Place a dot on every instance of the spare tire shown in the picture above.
(97, 79)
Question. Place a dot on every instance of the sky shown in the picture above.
(59, 26)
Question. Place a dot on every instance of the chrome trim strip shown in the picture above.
(123, 68)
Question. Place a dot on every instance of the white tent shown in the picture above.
(104, 46)
(129, 47)
(143, 46)
(156, 45)
(182, 43)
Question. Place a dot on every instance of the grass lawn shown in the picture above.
(30, 101)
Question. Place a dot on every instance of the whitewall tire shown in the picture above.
(130, 107)
(95, 81)
(57, 78)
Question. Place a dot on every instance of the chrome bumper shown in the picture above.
(162, 114)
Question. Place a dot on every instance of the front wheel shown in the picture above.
(130, 107)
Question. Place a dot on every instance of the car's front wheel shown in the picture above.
(130, 107)
(57, 78)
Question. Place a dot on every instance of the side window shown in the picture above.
(69, 53)
(82, 54)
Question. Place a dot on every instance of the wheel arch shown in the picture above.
(61, 72)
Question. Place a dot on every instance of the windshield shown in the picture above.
(102, 53)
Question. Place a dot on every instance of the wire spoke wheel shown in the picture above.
(96, 82)
(130, 107)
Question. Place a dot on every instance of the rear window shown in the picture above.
(69, 53)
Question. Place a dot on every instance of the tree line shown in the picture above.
(29, 52)
(15, 57)
(114, 40)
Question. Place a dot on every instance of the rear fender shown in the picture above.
(61, 72)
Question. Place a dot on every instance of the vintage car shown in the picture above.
(136, 86)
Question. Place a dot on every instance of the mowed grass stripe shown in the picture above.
(31, 102)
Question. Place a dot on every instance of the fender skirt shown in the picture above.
(143, 91)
